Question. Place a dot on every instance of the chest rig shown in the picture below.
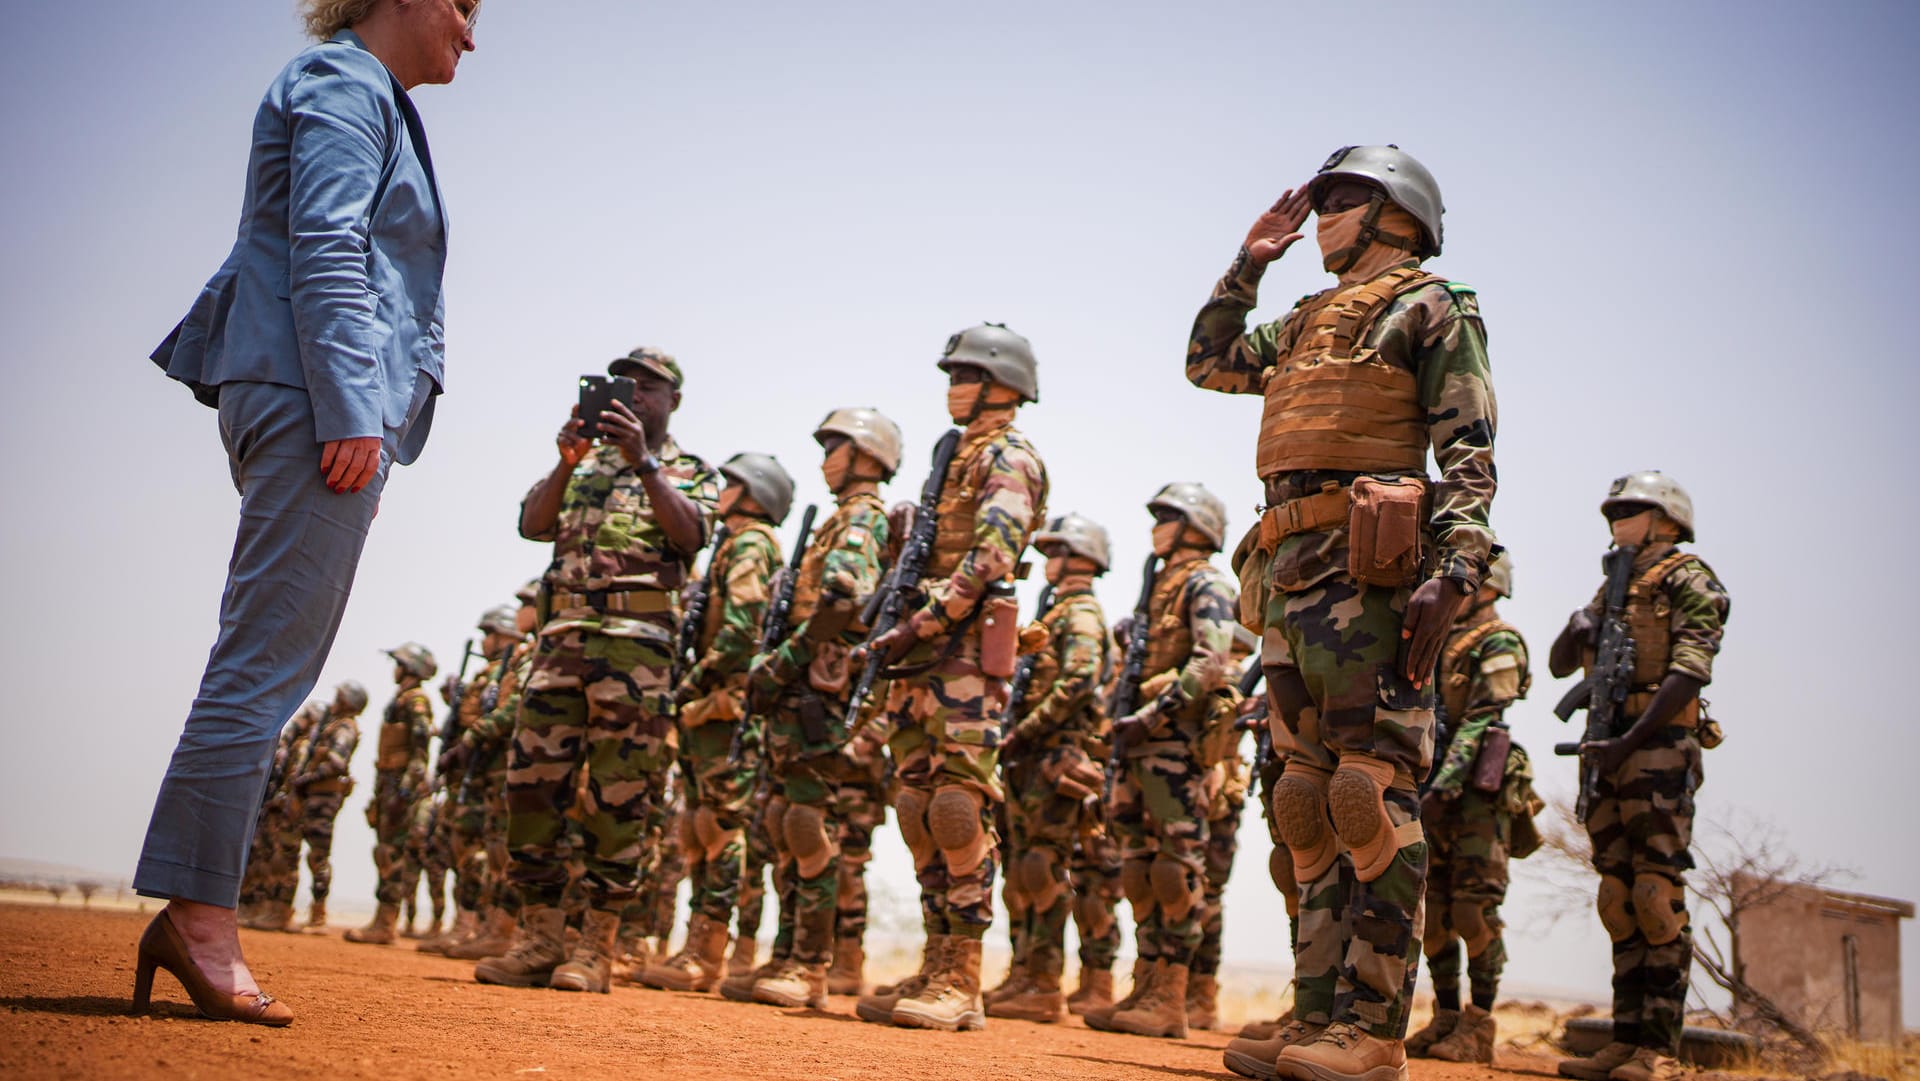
(1650, 620)
(960, 500)
(813, 565)
(1456, 666)
(1169, 634)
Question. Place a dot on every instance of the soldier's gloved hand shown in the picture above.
(1423, 630)
(1130, 731)
(1277, 230)
(452, 759)
(1582, 627)
(894, 644)
(768, 673)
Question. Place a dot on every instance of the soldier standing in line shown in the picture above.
(712, 698)
(1095, 871)
(1469, 810)
(1160, 810)
(1359, 381)
(1640, 815)
(647, 919)
(400, 777)
(321, 786)
(1054, 782)
(258, 908)
(801, 687)
(949, 686)
(744, 959)
(1226, 798)
(595, 734)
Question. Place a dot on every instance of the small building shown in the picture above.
(1830, 960)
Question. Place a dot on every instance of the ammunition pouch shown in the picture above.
(1253, 564)
(1489, 772)
(811, 711)
(1387, 531)
(999, 632)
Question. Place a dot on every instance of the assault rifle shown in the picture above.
(1603, 692)
(778, 621)
(450, 728)
(695, 616)
(1023, 674)
(1126, 689)
(889, 603)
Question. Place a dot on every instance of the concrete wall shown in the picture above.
(1794, 950)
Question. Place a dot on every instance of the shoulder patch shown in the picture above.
(1461, 289)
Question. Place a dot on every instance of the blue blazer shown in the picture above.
(333, 284)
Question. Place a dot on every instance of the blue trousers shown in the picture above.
(287, 584)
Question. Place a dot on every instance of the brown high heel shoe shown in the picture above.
(162, 947)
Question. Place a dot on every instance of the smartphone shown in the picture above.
(597, 395)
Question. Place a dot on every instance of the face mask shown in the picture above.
(1632, 532)
(963, 399)
(1056, 569)
(1165, 536)
(1336, 234)
(836, 467)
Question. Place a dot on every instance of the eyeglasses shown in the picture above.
(1617, 512)
(471, 15)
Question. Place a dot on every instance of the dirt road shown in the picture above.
(391, 1014)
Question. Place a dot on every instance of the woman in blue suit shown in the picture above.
(319, 342)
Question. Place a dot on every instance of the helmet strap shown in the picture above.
(1371, 234)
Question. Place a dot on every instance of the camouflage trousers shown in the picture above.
(390, 813)
(944, 726)
(859, 810)
(1043, 826)
(256, 883)
(594, 741)
(317, 812)
(713, 829)
(1223, 844)
(1095, 875)
(1641, 826)
(430, 856)
(649, 912)
(1343, 714)
(462, 839)
(1159, 819)
(1280, 859)
(1466, 881)
(759, 857)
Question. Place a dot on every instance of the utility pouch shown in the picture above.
(999, 632)
(1386, 530)
(1490, 762)
(1709, 732)
(814, 726)
(1253, 564)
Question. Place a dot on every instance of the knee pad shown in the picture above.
(1470, 921)
(1137, 885)
(1094, 917)
(910, 807)
(1356, 801)
(1176, 887)
(1434, 933)
(1280, 869)
(1659, 908)
(775, 826)
(710, 838)
(1300, 812)
(953, 818)
(1039, 874)
(807, 838)
(1615, 915)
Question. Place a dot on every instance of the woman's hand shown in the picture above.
(350, 464)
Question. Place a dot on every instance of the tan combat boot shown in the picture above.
(379, 930)
(1162, 1011)
(1470, 1041)
(248, 912)
(316, 918)
(1040, 1001)
(591, 966)
(466, 924)
(950, 1001)
(1648, 1065)
(1101, 1018)
(877, 1007)
(1095, 991)
(491, 937)
(741, 961)
(1203, 1002)
(793, 986)
(1439, 1028)
(539, 948)
(697, 966)
(848, 976)
(1249, 1057)
(407, 917)
(1265, 1030)
(738, 987)
(1600, 1065)
(1344, 1053)
(1016, 983)
(273, 916)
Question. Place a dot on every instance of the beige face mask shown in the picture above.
(1396, 235)
(1337, 233)
(838, 466)
(1633, 532)
(963, 400)
(1057, 568)
(1165, 536)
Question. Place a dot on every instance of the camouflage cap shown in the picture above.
(351, 694)
(414, 658)
(647, 360)
(528, 594)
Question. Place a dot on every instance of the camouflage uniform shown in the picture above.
(276, 821)
(1226, 802)
(486, 741)
(646, 918)
(321, 787)
(1095, 877)
(400, 778)
(1641, 821)
(1331, 641)
(595, 734)
(1054, 780)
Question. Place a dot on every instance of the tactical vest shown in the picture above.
(1333, 405)
(813, 565)
(717, 572)
(1456, 682)
(1046, 664)
(1169, 633)
(1650, 620)
(395, 750)
(960, 500)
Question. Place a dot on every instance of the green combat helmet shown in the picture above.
(1500, 574)
(1656, 489)
(1081, 535)
(870, 431)
(414, 659)
(1201, 508)
(500, 620)
(351, 696)
(1006, 357)
(1395, 172)
(765, 479)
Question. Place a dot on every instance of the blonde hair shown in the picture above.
(325, 18)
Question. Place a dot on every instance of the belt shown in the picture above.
(639, 600)
(325, 787)
(1307, 514)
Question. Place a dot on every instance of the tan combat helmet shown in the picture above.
(765, 479)
(351, 694)
(1081, 535)
(414, 659)
(870, 431)
(1201, 508)
(528, 594)
(1500, 574)
(500, 620)
(1655, 489)
(1006, 357)
(1394, 171)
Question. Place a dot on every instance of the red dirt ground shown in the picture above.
(392, 1014)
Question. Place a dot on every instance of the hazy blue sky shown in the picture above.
(1686, 221)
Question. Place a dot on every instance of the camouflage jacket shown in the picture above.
(491, 730)
(742, 574)
(406, 730)
(290, 750)
(1061, 702)
(1697, 607)
(1436, 333)
(1191, 615)
(606, 537)
(330, 757)
(1000, 474)
(1487, 676)
(845, 560)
